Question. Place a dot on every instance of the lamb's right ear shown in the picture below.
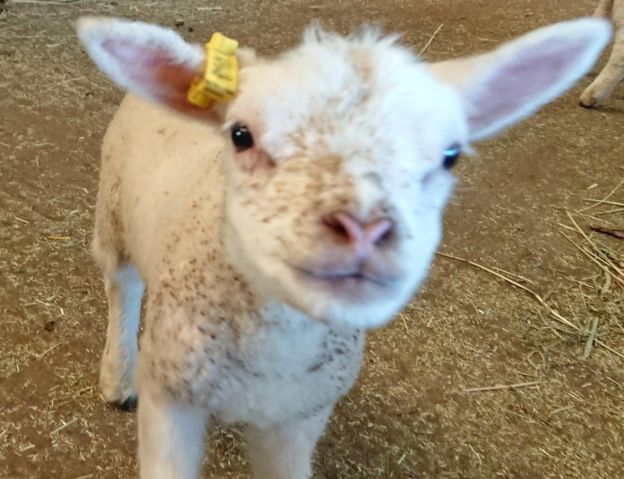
(152, 62)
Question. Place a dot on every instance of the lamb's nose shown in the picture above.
(356, 233)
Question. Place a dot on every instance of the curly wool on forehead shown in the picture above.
(359, 52)
(366, 36)
(332, 58)
(330, 66)
(331, 84)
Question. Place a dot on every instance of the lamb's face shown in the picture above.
(336, 177)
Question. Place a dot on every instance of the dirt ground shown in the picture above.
(425, 405)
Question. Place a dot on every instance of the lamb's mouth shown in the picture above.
(355, 282)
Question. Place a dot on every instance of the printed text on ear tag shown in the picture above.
(220, 79)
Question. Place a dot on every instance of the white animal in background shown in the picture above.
(613, 73)
(272, 231)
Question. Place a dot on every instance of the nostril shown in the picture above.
(379, 231)
(344, 227)
(348, 229)
(336, 227)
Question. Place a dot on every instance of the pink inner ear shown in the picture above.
(153, 70)
(521, 82)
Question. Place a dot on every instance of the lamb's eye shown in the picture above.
(241, 137)
(451, 154)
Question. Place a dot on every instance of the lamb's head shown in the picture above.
(336, 174)
(339, 150)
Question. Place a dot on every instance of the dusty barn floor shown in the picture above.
(478, 378)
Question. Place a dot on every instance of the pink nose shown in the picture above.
(360, 236)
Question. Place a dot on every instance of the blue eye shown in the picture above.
(450, 156)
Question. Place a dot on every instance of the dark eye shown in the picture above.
(451, 154)
(241, 137)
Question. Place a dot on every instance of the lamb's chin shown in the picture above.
(352, 303)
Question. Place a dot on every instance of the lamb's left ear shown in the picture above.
(152, 62)
(501, 87)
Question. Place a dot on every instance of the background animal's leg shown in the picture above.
(613, 73)
(285, 450)
(604, 9)
(124, 290)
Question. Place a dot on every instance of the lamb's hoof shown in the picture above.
(129, 404)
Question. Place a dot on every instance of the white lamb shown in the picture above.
(613, 73)
(272, 231)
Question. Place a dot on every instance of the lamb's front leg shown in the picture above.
(124, 290)
(171, 436)
(285, 450)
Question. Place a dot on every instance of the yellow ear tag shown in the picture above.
(220, 79)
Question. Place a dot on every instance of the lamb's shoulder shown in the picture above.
(160, 161)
